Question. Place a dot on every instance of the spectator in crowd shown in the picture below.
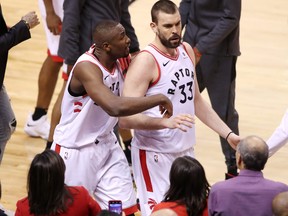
(48, 194)
(249, 193)
(189, 188)
(164, 212)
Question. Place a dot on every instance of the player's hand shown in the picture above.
(181, 121)
(54, 23)
(165, 107)
(233, 140)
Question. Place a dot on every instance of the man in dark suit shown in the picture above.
(212, 29)
(10, 37)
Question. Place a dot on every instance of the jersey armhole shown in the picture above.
(158, 69)
(192, 59)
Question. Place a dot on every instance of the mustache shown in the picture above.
(175, 36)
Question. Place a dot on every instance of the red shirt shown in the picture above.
(178, 209)
(83, 204)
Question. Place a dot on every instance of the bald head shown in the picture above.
(254, 152)
(280, 204)
(164, 212)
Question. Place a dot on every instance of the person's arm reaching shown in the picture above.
(279, 137)
(89, 77)
(19, 32)
(207, 115)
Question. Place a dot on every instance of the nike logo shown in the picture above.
(164, 64)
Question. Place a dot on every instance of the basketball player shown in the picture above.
(76, 38)
(91, 104)
(165, 66)
(37, 124)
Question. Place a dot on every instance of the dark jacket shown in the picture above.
(80, 18)
(212, 25)
(9, 38)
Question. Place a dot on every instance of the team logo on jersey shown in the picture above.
(77, 106)
(164, 64)
(184, 55)
(96, 141)
(151, 203)
(186, 89)
(65, 155)
(115, 88)
(156, 158)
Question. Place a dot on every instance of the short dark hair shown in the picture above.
(47, 193)
(188, 185)
(254, 152)
(102, 30)
(165, 6)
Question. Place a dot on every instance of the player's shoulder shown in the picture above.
(187, 46)
(145, 53)
(143, 57)
(189, 50)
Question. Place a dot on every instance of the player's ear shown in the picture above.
(106, 46)
(153, 26)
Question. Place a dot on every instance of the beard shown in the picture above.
(172, 42)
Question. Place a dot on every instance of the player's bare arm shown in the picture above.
(144, 66)
(144, 122)
(135, 87)
(138, 87)
(88, 77)
(207, 115)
